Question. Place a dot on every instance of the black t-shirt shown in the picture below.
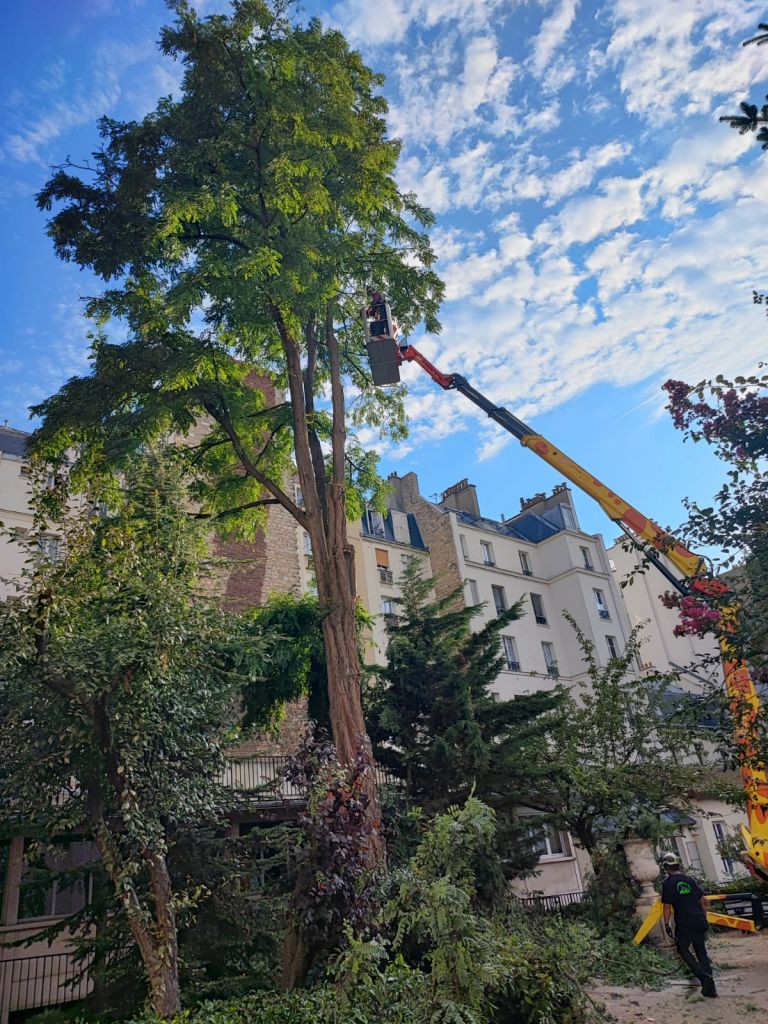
(684, 894)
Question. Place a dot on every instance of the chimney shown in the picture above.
(462, 497)
(404, 491)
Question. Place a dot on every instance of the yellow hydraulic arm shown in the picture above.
(652, 540)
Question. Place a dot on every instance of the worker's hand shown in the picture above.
(669, 931)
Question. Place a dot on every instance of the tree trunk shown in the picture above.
(325, 506)
(157, 945)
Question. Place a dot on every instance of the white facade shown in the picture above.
(697, 662)
(559, 581)
(15, 514)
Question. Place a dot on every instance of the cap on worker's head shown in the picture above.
(670, 860)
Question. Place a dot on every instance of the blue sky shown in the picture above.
(597, 229)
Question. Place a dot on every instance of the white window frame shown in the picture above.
(388, 606)
(613, 648)
(569, 517)
(586, 558)
(486, 549)
(550, 658)
(545, 835)
(463, 545)
(602, 607)
(474, 593)
(497, 592)
(511, 653)
(525, 563)
(542, 615)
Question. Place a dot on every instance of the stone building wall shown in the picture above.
(435, 527)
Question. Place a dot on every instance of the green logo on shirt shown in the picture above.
(684, 888)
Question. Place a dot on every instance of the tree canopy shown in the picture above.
(120, 687)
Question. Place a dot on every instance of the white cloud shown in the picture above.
(582, 220)
(552, 34)
(675, 60)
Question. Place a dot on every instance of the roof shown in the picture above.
(529, 526)
(13, 442)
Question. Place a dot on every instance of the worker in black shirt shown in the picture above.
(683, 895)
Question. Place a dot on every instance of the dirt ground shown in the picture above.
(741, 975)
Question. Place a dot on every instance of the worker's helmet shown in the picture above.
(670, 860)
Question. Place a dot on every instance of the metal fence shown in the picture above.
(30, 982)
(547, 903)
(262, 777)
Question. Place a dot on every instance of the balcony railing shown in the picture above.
(513, 666)
(261, 776)
(386, 575)
(548, 903)
(29, 982)
(603, 613)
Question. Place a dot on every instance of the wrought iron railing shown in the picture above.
(29, 982)
(262, 777)
(559, 901)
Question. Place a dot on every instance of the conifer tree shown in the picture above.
(435, 720)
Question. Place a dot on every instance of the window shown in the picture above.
(602, 611)
(538, 610)
(721, 836)
(586, 558)
(510, 653)
(549, 659)
(50, 547)
(57, 885)
(374, 522)
(307, 544)
(692, 856)
(487, 551)
(298, 496)
(463, 545)
(613, 650)
(568, 517)
(549, 842)
(400, 528)
(474, 594)
(525, 564)
(499, 599)
(387, 606)
(382, 564)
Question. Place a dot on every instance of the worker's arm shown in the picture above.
(705, 904)
(667, 909)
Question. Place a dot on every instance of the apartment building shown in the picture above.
(697, 662)
(539, 557)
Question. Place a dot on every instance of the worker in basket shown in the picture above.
(376, 310)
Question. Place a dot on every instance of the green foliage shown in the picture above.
(229, 941)
(436, 957)
(620, 758)
(235, 226)
(436, 721)
(750, 119)
(121, 678)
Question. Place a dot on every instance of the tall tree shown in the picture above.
(238, 226)
(436, 721)
(119, 680)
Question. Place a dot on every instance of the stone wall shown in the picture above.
(435, 527)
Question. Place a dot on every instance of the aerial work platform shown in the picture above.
(381, 343)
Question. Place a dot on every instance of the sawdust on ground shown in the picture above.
(741, 975)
